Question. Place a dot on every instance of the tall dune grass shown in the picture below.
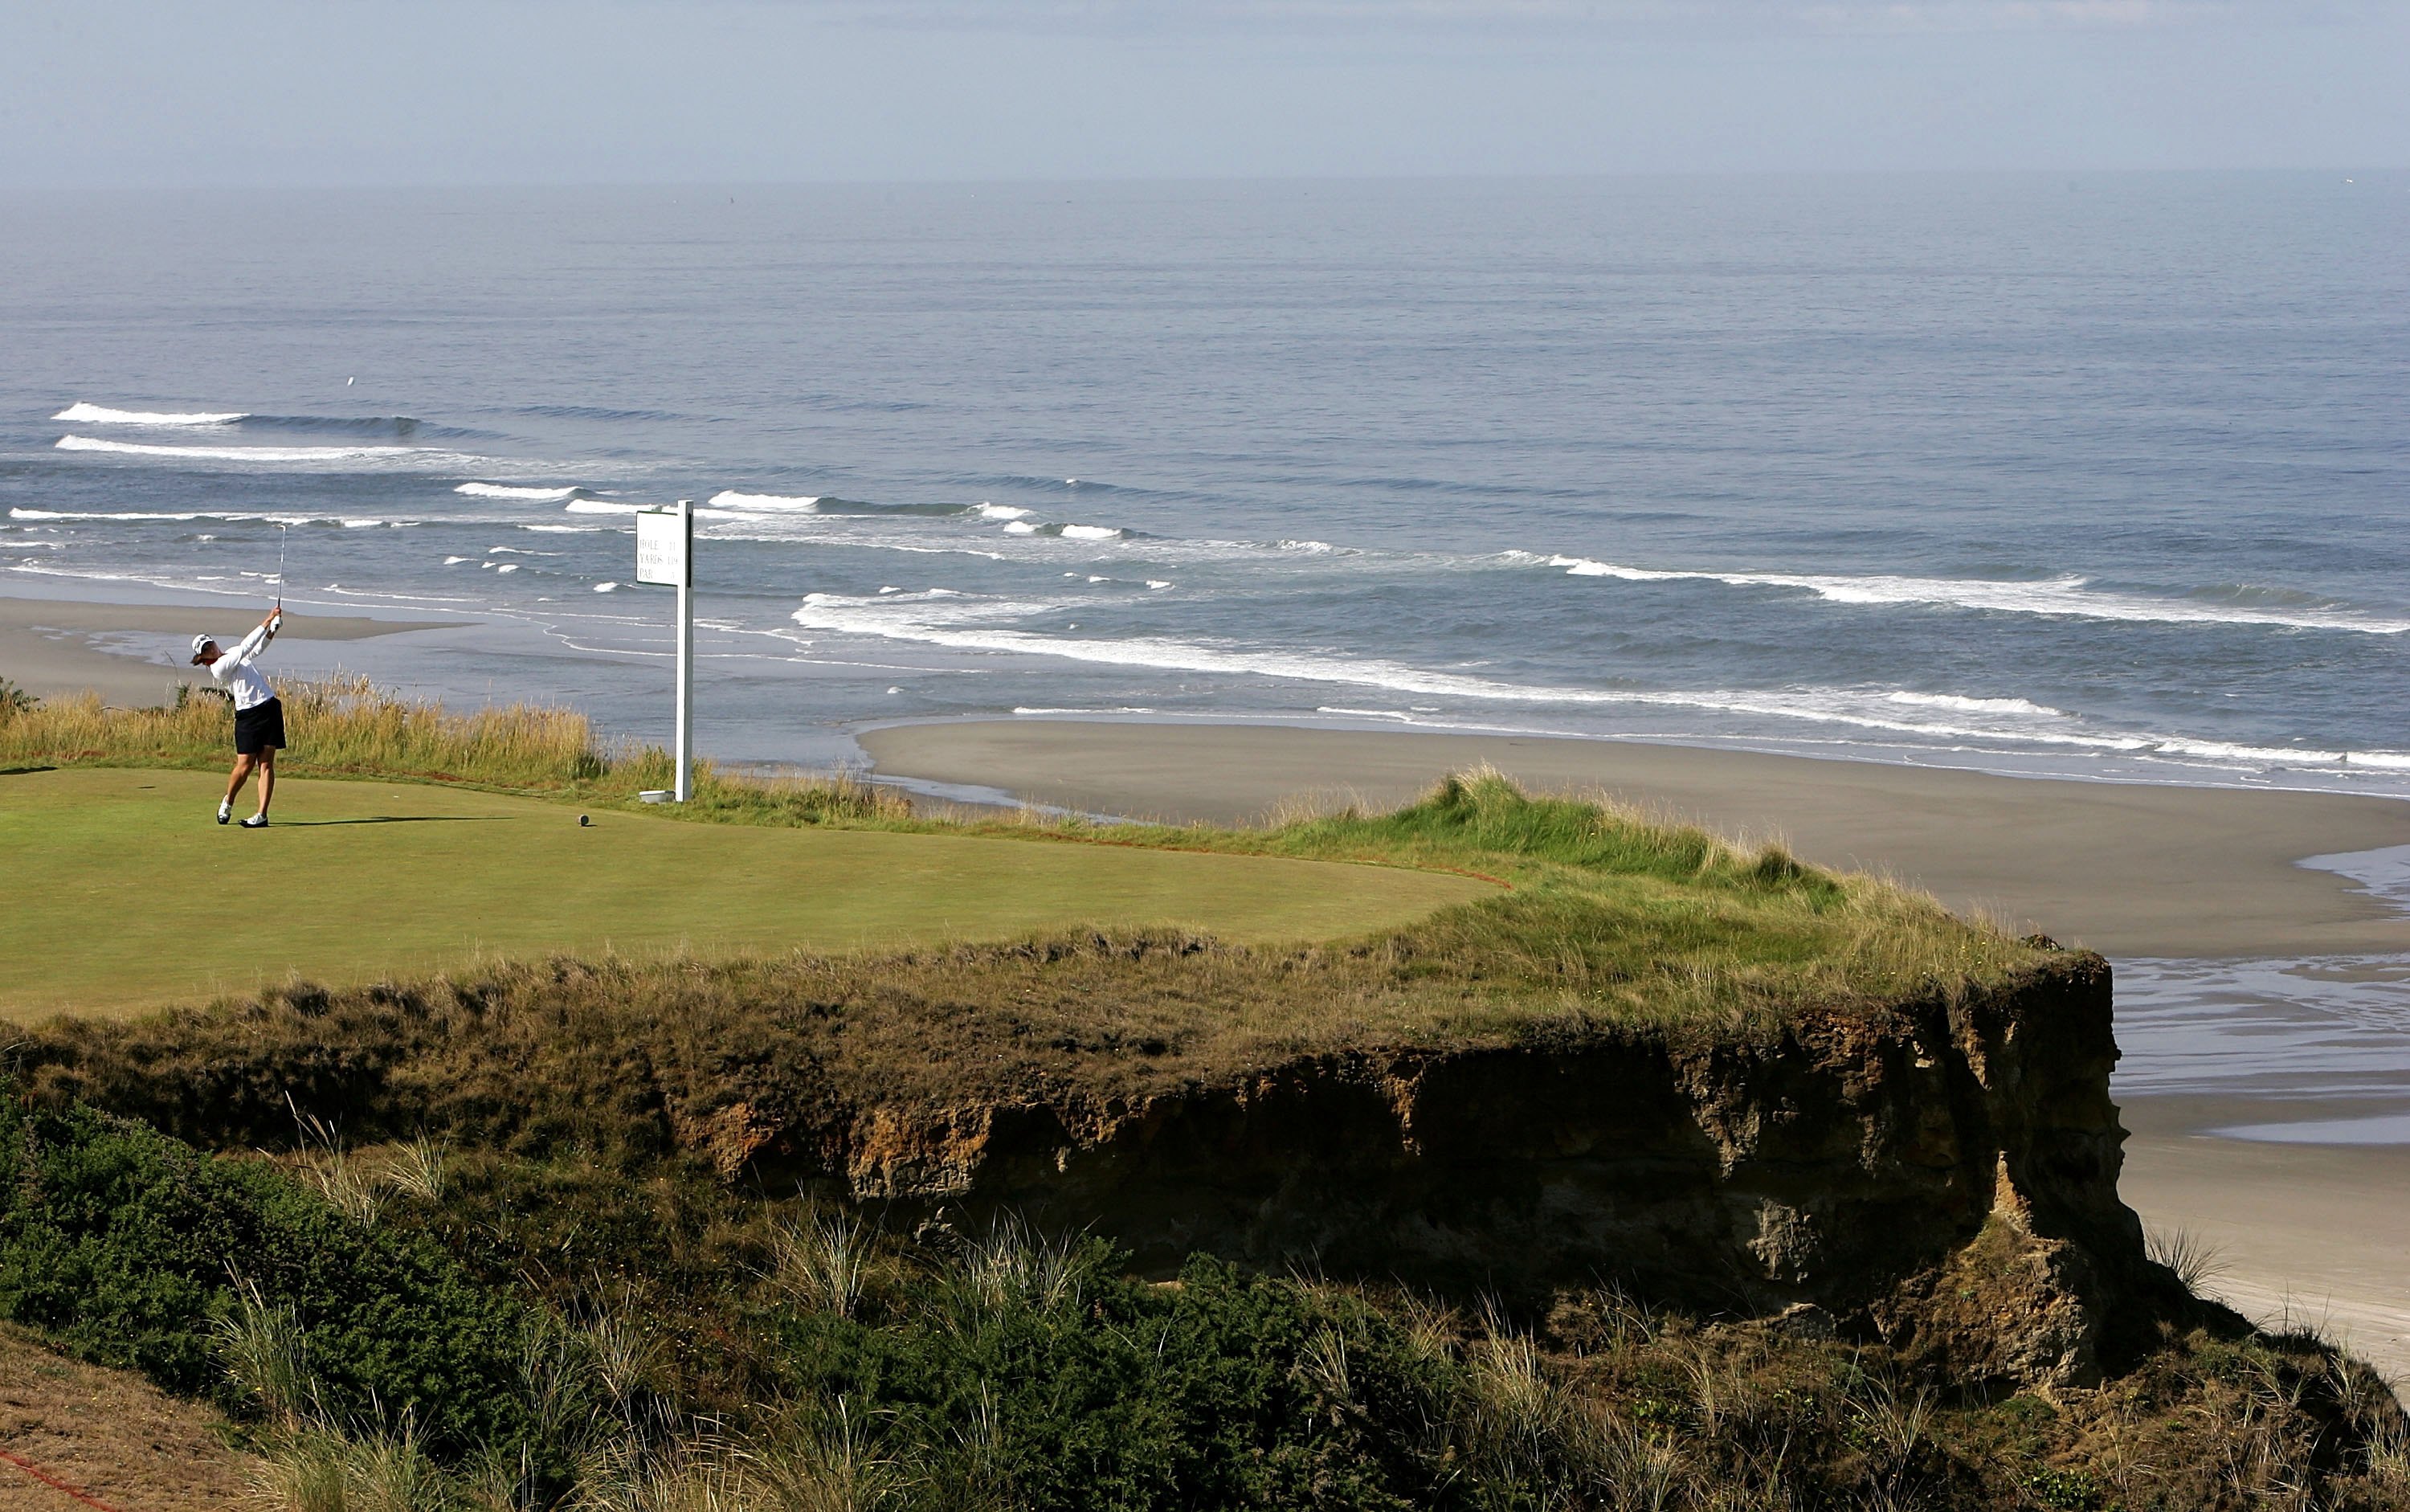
(340, 724)
(347, 726)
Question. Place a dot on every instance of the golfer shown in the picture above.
(258, 713)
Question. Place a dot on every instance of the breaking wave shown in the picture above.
(1069, 532)
(2069, 596)
(80, 413)
(352, 522)
(510, 491)
(256, 453)
(764, 503)
(970, 623)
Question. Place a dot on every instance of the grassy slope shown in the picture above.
(1611, 917)
(122, 893)
(1615, 926)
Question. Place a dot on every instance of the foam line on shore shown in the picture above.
(966, 622)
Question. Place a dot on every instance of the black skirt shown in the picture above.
(258, 728)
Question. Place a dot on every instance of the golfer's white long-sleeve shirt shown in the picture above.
(234, 669)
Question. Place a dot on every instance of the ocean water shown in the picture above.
(2104, 475)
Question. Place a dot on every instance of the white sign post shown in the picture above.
(665, 555)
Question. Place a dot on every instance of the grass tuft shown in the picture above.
(2195, 1260)
(821, 1261)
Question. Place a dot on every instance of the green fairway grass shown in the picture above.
(122, 894)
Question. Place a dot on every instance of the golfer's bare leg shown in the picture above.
(266, 778)
(242, 769)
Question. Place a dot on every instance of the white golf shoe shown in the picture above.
(256, 821)
(226, 811)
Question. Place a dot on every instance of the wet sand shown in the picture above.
(2125, 869)
(53, 648)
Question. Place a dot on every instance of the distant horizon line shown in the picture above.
(2345, 171)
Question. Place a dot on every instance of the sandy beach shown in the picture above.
(2306, 1232)
(55, 647)
(2299, 1235)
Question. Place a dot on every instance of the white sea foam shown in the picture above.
(606, 588)
(1069, 532)
(103, 514)
(455, 561)
(183, 515)
(509, 490)
(565, 530)
(80, 413)
(1974, 706)
(978, 624)
(245, 454)
(1000, 512)
(2068, 597)
(764, 503)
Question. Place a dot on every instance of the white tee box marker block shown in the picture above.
(665, 555)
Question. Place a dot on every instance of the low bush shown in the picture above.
(134, 1250)
(1040, 1372)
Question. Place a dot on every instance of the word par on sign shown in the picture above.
(660, 547)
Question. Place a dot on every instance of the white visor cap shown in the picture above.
(202, 642)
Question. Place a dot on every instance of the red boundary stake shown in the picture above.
(54, 1483)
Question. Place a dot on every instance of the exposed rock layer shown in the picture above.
(1945, 1175)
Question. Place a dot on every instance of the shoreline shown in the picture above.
(58, 647)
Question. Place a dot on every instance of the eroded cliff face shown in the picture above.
(1944, 1177)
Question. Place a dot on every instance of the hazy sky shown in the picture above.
(148, 91)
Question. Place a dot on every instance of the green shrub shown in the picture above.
(2064, 1490)
(1049, 1375)
(128, 1247)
